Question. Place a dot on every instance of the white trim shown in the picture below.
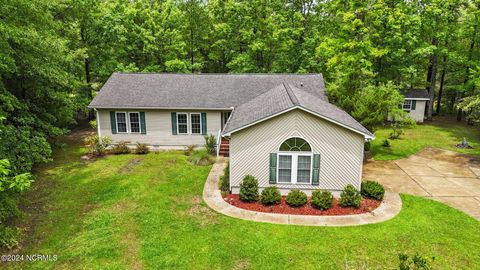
(294, 168)
(190, 118)
(161, 108)
(425, 99)
(407, 104)
(98, 123)
(367, 136)
(188, 121)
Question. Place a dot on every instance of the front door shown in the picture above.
(225, 116)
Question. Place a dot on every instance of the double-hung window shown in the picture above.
(134, 122)
(121, 122)
(182, 123)
(195, 123)
(295, 162)
(128, 122)
(407, 105)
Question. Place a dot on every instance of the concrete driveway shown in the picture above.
(445, 176)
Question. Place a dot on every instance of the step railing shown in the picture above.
(219, 141)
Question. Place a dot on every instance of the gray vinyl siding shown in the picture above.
(159, 129)
(419, 113)
(341, 150)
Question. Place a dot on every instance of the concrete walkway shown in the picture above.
(445, 176)
(389, 208)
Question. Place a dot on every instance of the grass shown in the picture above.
(134, 212)
(440, 133)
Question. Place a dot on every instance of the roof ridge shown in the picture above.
(212, 73)
(290, 94)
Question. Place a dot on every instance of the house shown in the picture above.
(415, 103)
(279, 128)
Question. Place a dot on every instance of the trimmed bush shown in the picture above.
(142, 149)
(350, 197)
(97, 145)
(120, 148)
(322, 199)
(271, 195)
(201, 157)
(249, 189)
(296, 198)
(224, 184)
(188, 150)
(373, 190)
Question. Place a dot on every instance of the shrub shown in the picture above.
(271, 195)
(224, 184)
(367, 146)
(350, 197)
(386, 143)
(97, 145)
(210, 143)
(296, 198)
(249, 189)
(188, 150)
(142, 149)
(418, 262)
(372, 189)
(322, 199)
(201, 158)
(120, 148)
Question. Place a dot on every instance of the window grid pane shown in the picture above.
(285, 162)
(121, 122)
(134, 122)
(304, 162)
(303, 176)
(195, 122)
(182, 123)
(285, 175)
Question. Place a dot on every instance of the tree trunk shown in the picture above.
(431, 79)
(442, 80)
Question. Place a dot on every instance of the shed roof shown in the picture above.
(416, 94)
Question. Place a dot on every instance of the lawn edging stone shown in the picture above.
(389, 208)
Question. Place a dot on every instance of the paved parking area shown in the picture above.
(445, 176)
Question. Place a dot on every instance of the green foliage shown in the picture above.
(201, 158)
(224, 183)
(322, 199)
(270, 195)
(210, 143)
(249, 189)
(350, 197)
(93, 124)
(141, 148)
(386, 143)
(97, 145)
(417, 262)
(120, 148)
(296, 198)
(188, 150)
(367, 146)
(372, 189)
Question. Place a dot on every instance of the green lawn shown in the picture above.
(441, 133)
(128, 211)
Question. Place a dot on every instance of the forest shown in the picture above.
(55, 55)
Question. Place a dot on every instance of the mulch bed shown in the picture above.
(367, 205)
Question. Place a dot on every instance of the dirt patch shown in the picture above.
(241, 265)
(130, 165)
(204, 215)
(132, 248)
(366, 206)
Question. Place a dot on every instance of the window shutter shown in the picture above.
(316, 170)
(273, 168)
(204, 123)
(113, 122)
(414, 104)
(143, 126)
(174, 123)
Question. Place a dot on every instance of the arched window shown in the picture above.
(294, 162)
(295, 144)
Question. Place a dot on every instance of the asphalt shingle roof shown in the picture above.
(415, 93)
(202, 91)
(282, 98)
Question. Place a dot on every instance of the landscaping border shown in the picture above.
(389, 208)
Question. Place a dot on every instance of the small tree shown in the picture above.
(210, 143)
(249, 189)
